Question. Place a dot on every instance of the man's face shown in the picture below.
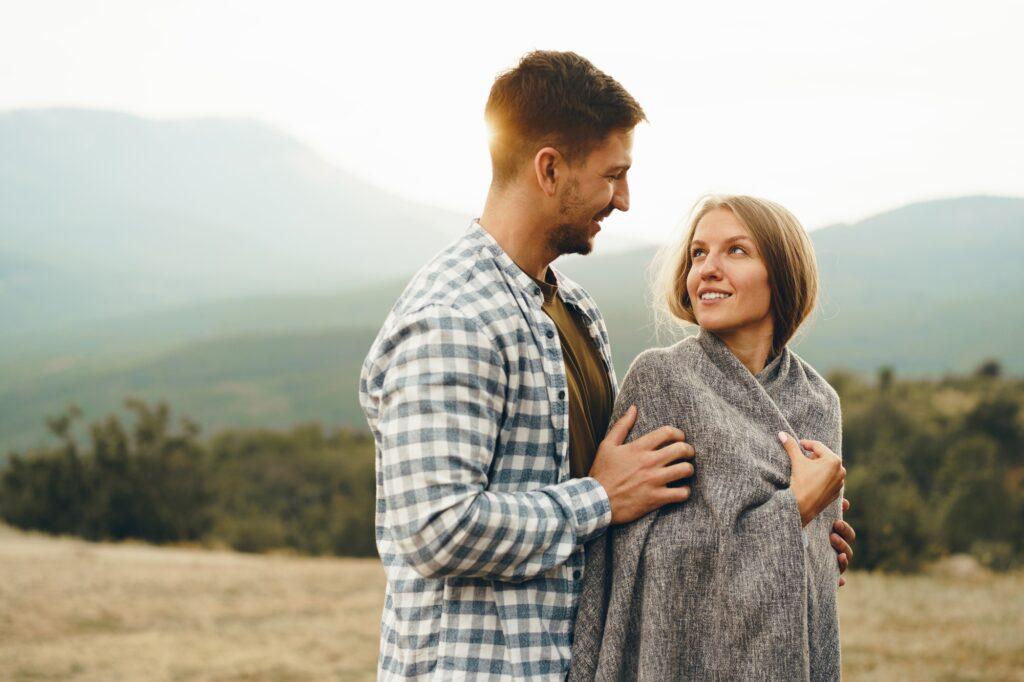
(596, 186)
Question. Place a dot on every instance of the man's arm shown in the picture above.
(441, 405)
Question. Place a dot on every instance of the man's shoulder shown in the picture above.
(457, 278)
(461, 288)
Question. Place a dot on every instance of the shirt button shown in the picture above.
(550, 334)
(577, 574)
(561, 395)
(536, 292)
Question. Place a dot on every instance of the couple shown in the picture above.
(522, 537)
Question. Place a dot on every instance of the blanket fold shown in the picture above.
(721, 586)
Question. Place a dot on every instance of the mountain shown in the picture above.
(929, 288)
(105, 213)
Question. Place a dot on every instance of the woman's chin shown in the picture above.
(714, 323)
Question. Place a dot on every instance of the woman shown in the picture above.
(738, 582)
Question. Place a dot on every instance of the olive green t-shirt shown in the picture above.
(590, 391)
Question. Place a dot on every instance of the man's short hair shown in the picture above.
(556, 99)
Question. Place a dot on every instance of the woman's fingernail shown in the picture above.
(783, 436)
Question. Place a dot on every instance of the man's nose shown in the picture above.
(620, 200)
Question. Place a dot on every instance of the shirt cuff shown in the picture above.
(590, 505)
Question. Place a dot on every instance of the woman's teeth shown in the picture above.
(713, 295)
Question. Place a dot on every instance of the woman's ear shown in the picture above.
(548, 165)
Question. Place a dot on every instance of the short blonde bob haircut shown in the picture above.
(783, 245)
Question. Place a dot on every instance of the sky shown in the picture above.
(836, 110)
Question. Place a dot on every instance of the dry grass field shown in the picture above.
(80, 611)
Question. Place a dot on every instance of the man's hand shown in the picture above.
(816, 480)
(636, 476)
(843, 534)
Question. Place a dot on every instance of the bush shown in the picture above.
(889, 515)
(996, 556)
(934, 467)
(250, 490)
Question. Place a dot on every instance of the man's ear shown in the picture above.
(548, 167)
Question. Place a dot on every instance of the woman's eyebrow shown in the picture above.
(729, 240)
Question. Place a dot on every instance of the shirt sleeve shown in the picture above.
(441, 404)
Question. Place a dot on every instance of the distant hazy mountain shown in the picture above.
(929, 288)
(94, 203)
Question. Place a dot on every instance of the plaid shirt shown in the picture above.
(479, 526)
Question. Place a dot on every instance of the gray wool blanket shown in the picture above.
(726, 585)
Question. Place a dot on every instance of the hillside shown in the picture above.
(926, 289)
(104, 213)
(249, 381)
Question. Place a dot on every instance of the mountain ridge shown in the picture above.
(177, 211)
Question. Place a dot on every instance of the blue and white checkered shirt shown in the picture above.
(479, 526)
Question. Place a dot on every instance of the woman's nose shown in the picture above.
(709, 267)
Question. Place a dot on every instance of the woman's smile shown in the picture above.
(713, 296)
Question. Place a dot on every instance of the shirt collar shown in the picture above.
(567, 289)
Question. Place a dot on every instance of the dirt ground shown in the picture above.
(81, 611)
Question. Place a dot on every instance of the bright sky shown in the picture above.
(837, 110)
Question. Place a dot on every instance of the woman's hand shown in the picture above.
(816, 480)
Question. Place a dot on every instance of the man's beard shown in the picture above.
(574, 235)
(570, 238)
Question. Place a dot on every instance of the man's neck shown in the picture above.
(750, 346)
(507, 217)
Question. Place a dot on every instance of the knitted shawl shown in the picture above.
(725, 585)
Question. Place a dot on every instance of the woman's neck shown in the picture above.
(750, 346)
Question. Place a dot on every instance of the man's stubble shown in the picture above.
(573, 235)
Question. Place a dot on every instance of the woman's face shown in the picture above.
(728, 281)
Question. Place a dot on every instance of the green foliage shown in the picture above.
(251, 490)
(888, 514)
(990, 369)
(934, 467)
(144, 484)
(300, 489)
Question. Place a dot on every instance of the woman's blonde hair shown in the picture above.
(784, 246)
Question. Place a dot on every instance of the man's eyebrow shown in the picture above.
(621, 167)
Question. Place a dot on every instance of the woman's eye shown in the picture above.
(697, 252)
(739, 248)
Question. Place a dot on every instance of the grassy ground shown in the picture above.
(81, 611)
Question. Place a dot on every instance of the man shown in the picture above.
(489, 390)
